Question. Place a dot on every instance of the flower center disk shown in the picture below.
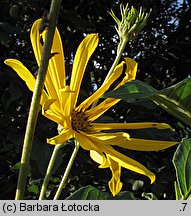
(80, 122)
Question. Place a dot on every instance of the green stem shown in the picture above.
(49, 170)
(67, 171)
(120, 49)
(119, 54)
(34, 108)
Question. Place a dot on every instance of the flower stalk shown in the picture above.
(49, 170)
(34, 108)
(67, 171)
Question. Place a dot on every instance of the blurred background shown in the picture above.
(163, 53)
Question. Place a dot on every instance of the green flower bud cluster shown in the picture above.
(132, 22)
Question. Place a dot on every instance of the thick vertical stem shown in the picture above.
(33, 113)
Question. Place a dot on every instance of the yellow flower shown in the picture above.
(59, 103)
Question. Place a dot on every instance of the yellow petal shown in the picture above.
(36, 40)
(96, 156)
(37, 44)
(96, 95)
(85, 142)
(130, 74)
(131, 71)
(118, 138)
(128, 163)
(51, 110)
(55, 78)
(65, 135)
(52, 116)
(121, 126)
(66, 100)
(115, 185)
(83, 54)
(146, 145)
(99, 158)
(53, 106)
(47, 104)
(101, 108)
(25, 75)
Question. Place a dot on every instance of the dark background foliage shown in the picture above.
(163, 51)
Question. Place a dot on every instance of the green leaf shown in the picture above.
(92, 193)
(177, 191)
(175, 99)
(16, 167)
(33, 189)
(173, 107)
(182, 163)
(132, 91)
(180, 92)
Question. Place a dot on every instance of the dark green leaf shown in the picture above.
(177, 191)
(180, 92)
(175, 99)
(33, 189)
(16, 167)
(182, 163)
(132, 91)
(92, 193)
(173, 107)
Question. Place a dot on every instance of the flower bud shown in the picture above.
(131, 23)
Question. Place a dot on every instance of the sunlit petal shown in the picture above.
(131, 71)
(118, 138)
(25, 75)
(55, 78)
(85, 142)
(101, 108)
(130, 74)
(99, 158)
(66, 103)
(105, 86)
(52, 116)
(121, 126)
(65, 135)
(147, 145)
(83, 54)
(115, 185)
(37, 44)
(129, 163)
